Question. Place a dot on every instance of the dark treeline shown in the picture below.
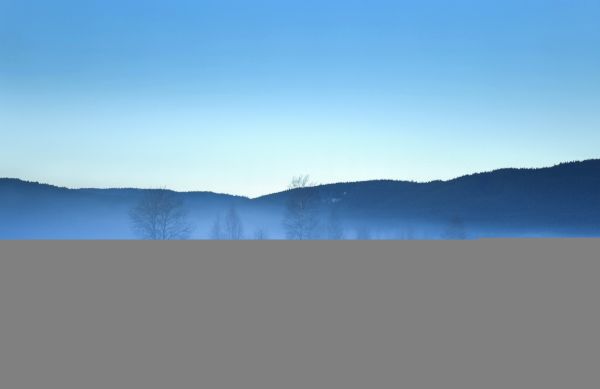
(305, 215)
(560, 201)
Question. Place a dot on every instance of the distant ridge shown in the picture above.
(562, 164)
(561, 200)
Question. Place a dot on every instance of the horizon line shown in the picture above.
(314, 186)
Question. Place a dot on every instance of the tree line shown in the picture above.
(161, 215)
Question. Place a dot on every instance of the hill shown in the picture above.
(563, 200)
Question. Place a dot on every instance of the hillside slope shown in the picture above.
(562, 200)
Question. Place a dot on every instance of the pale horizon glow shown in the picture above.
(238, 97)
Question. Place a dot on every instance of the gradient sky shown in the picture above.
(238, 96)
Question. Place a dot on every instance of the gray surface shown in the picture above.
(479, 314)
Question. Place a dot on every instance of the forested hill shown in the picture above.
(568, 193)
(562, 200)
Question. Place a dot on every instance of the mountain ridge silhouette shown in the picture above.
(561, 200)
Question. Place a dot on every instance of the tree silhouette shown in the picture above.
(301, 215)
(160, 215)
(455, 229)
(216, 231)
(260, 234)
(233, 229)
(335, 231)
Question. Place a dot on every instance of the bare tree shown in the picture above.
(160, 215)
(455, 229)
(260, 234)
(233, 229)
(216, 231)
(301, 214)
(335, 231)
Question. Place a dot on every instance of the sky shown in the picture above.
(238, 96)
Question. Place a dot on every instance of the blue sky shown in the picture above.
(238, 96)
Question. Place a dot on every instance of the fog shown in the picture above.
(559, 201)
